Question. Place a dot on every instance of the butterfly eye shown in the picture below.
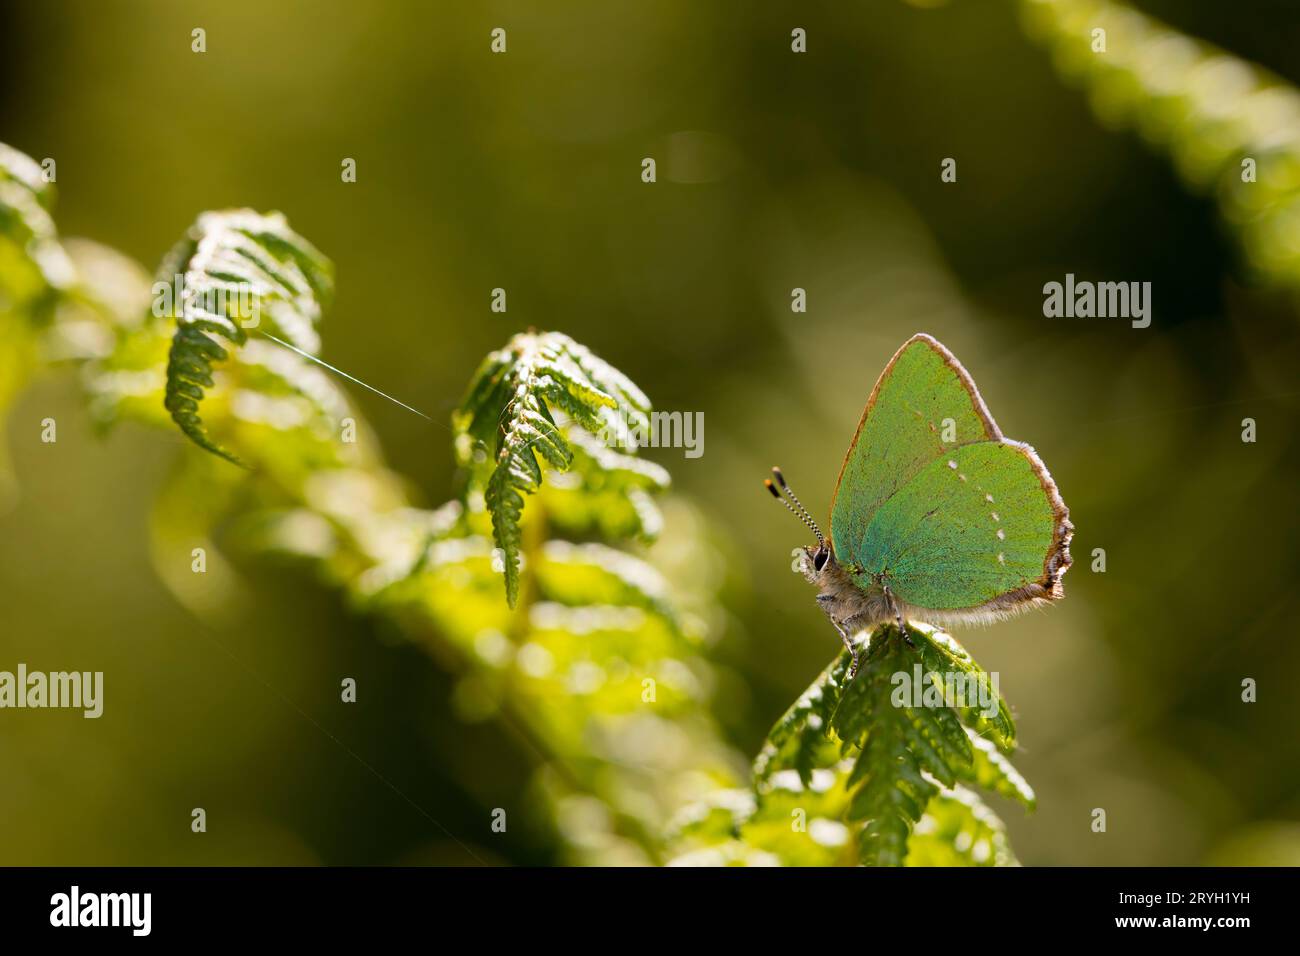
(819, 559)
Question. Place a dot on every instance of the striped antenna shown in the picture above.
(796, 508)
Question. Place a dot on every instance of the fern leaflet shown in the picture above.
(34, 268)
(237, 270)
(518, 406)
(899, 754)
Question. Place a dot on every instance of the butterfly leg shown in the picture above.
(847, 638)
(898, 617)
(825, 600)
(902, 629)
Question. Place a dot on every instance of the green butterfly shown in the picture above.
(935, 515)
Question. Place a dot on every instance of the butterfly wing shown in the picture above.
(923, 406)
(931, 495)
(981, 530)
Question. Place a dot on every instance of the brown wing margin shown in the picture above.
(1057, 560)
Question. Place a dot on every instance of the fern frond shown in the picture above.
(906, 749)
(899, 747)
(128, 378)
(1209, 110)
(239, 270)
(517, 405)
(800, 739)
(607, 493)
(958, 829)
(600, 672)
(992, 771)
(598, 574)
(34, 268)
(35, 273)
(941, 654)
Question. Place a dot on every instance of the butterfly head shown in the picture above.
(818, 555)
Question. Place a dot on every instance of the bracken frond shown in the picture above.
(236, 271)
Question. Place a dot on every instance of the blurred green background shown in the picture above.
(776, 171)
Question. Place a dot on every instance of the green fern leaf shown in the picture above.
(940, 654)
(992, 771)
(957, 829)
(239, 270)
(607, 494)
(35, 273)
(1206, 136)
(596, 574)
(517, 405)
(892, 791)
(599, 633)
(505, 503)
(905, 752)
(799, 740)
(34, 269)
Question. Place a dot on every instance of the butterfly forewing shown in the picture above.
(923, 407)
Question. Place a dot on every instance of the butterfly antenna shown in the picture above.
(797, 509)
(780, 480)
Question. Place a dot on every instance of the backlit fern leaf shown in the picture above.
(511, 407)
(597, 574)
(905, 751)
(800, 739)
(991, 770)
(237, 270)
(607, 493)
(33, 266)
(35, 272)
(600, 668)
(941, 654)
(959, 830)
(1211, 112)
(899, 746)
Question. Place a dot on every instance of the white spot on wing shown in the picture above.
(994, 516)
(1002, 535)
(952, 465)
(989, 499)
(1001, 558)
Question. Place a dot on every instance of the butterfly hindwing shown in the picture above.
(970, 530)
(928, 484)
